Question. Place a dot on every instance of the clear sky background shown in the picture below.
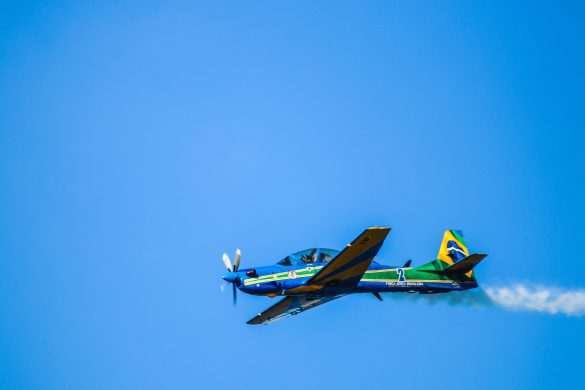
(141, 140)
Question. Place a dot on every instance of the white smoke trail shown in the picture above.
(539, 299)
(516, 297)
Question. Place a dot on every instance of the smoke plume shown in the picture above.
(539, 299)
(515, 297)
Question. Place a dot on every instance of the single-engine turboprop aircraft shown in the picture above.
(315, 276)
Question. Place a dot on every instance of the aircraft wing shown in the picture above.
(348, 267)
(289, 306)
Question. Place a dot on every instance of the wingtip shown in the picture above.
(256, 320)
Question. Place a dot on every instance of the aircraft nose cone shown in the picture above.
(230, 277)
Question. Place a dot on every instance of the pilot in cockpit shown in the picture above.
(309, 257)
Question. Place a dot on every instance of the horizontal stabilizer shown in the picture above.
(464, 266)
(460, 268)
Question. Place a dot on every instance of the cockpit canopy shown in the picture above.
(309, 256)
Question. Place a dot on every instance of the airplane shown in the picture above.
(315, 276)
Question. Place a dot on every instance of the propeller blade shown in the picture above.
(235, 290)
(222, 287)
(237, 260)
(227, 262)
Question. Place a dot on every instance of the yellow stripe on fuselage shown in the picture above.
(306, 272)
(282, 276)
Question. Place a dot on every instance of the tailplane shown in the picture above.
(464, 266)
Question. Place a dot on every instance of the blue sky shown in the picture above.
(141, 140)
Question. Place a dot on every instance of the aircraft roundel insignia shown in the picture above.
(292, 274)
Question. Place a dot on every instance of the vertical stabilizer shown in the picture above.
(453, 248)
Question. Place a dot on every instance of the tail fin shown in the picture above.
(453, 248)
(454, 252)
(453, 259)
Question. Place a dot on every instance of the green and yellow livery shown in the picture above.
(315, 276)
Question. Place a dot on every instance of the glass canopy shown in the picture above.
(309, 256)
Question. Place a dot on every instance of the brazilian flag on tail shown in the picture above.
(454, 253)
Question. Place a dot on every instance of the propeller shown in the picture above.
(237, 260)
(227, 262)
(231, 279)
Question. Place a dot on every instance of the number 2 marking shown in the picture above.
(401, 277)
